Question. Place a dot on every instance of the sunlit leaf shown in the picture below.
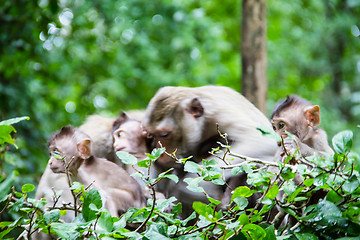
(12, 121)
(52, 216)
(192, 167)
(27, 188)
(126, 158)
(343, 141)
(92, 197)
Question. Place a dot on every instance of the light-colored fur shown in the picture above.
(233, 113)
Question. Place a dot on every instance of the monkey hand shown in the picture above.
(290, 147)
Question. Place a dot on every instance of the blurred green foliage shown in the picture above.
(63, 60)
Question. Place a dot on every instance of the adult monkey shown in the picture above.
(185, 119)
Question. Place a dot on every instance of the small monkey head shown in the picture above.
(175, 118)
(129, 136)
(68, 148)
(295, 115)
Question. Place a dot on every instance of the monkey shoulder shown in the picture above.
(103, 170)
(318, 140)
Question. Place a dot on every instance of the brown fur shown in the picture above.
(185, 119)
(119, 191)
(300, 118)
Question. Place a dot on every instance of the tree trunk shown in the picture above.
(253, 52)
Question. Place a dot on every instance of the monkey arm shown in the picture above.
(316, 142)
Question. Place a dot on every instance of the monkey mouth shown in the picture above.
(56, 170)
(166, 161)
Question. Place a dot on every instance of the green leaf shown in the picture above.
(92, 197)
(189, 218)
(66, 230)
(309, 182)
(10, 227)
(192, 167)
(126, 158)
(172, 177)
(273, 192)
(270, 233)
(5, 186)
(236, 170)
(343, 141)
(12, 121)
(27, 188)
(306, 236)
(333, 197)
(52, 216)
(106, 222)
(287, 174)
(76, 186)
(351, 185)
(193, 184)
(204, 210)
(156, 153)
(144, 163)
(157, 231)
(269, 132)
(241, 191)
(177, 209)
(214, 201)
(5, 134)
(244, 219)
(241, 202)
(254, 231)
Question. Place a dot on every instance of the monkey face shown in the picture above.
(131, 138)
(62, 150)
(57, 161)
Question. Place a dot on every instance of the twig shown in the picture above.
(9, 199)
(153, 193)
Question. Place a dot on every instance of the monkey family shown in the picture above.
(186, 121)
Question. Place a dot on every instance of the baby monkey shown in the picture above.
(70, 151)
(301, 119)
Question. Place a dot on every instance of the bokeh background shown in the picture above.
(63, 60)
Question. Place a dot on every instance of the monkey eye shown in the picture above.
(274, 127)
(163, 134)
(56, 154)
(281, 125)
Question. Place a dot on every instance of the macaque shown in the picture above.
(71, 152)
(51, 183)
(100, 128)
(301, 119)
(185, 119)
(129, 136)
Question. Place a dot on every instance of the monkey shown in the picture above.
(129, 136)
(100, 129)
(71, 151)
(186, 121)
(301, 119)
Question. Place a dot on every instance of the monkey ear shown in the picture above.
(119, 120)
(195, 108)
(312, 115)
(84, 148)
(124, 115)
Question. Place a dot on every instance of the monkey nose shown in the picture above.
(119, 148)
